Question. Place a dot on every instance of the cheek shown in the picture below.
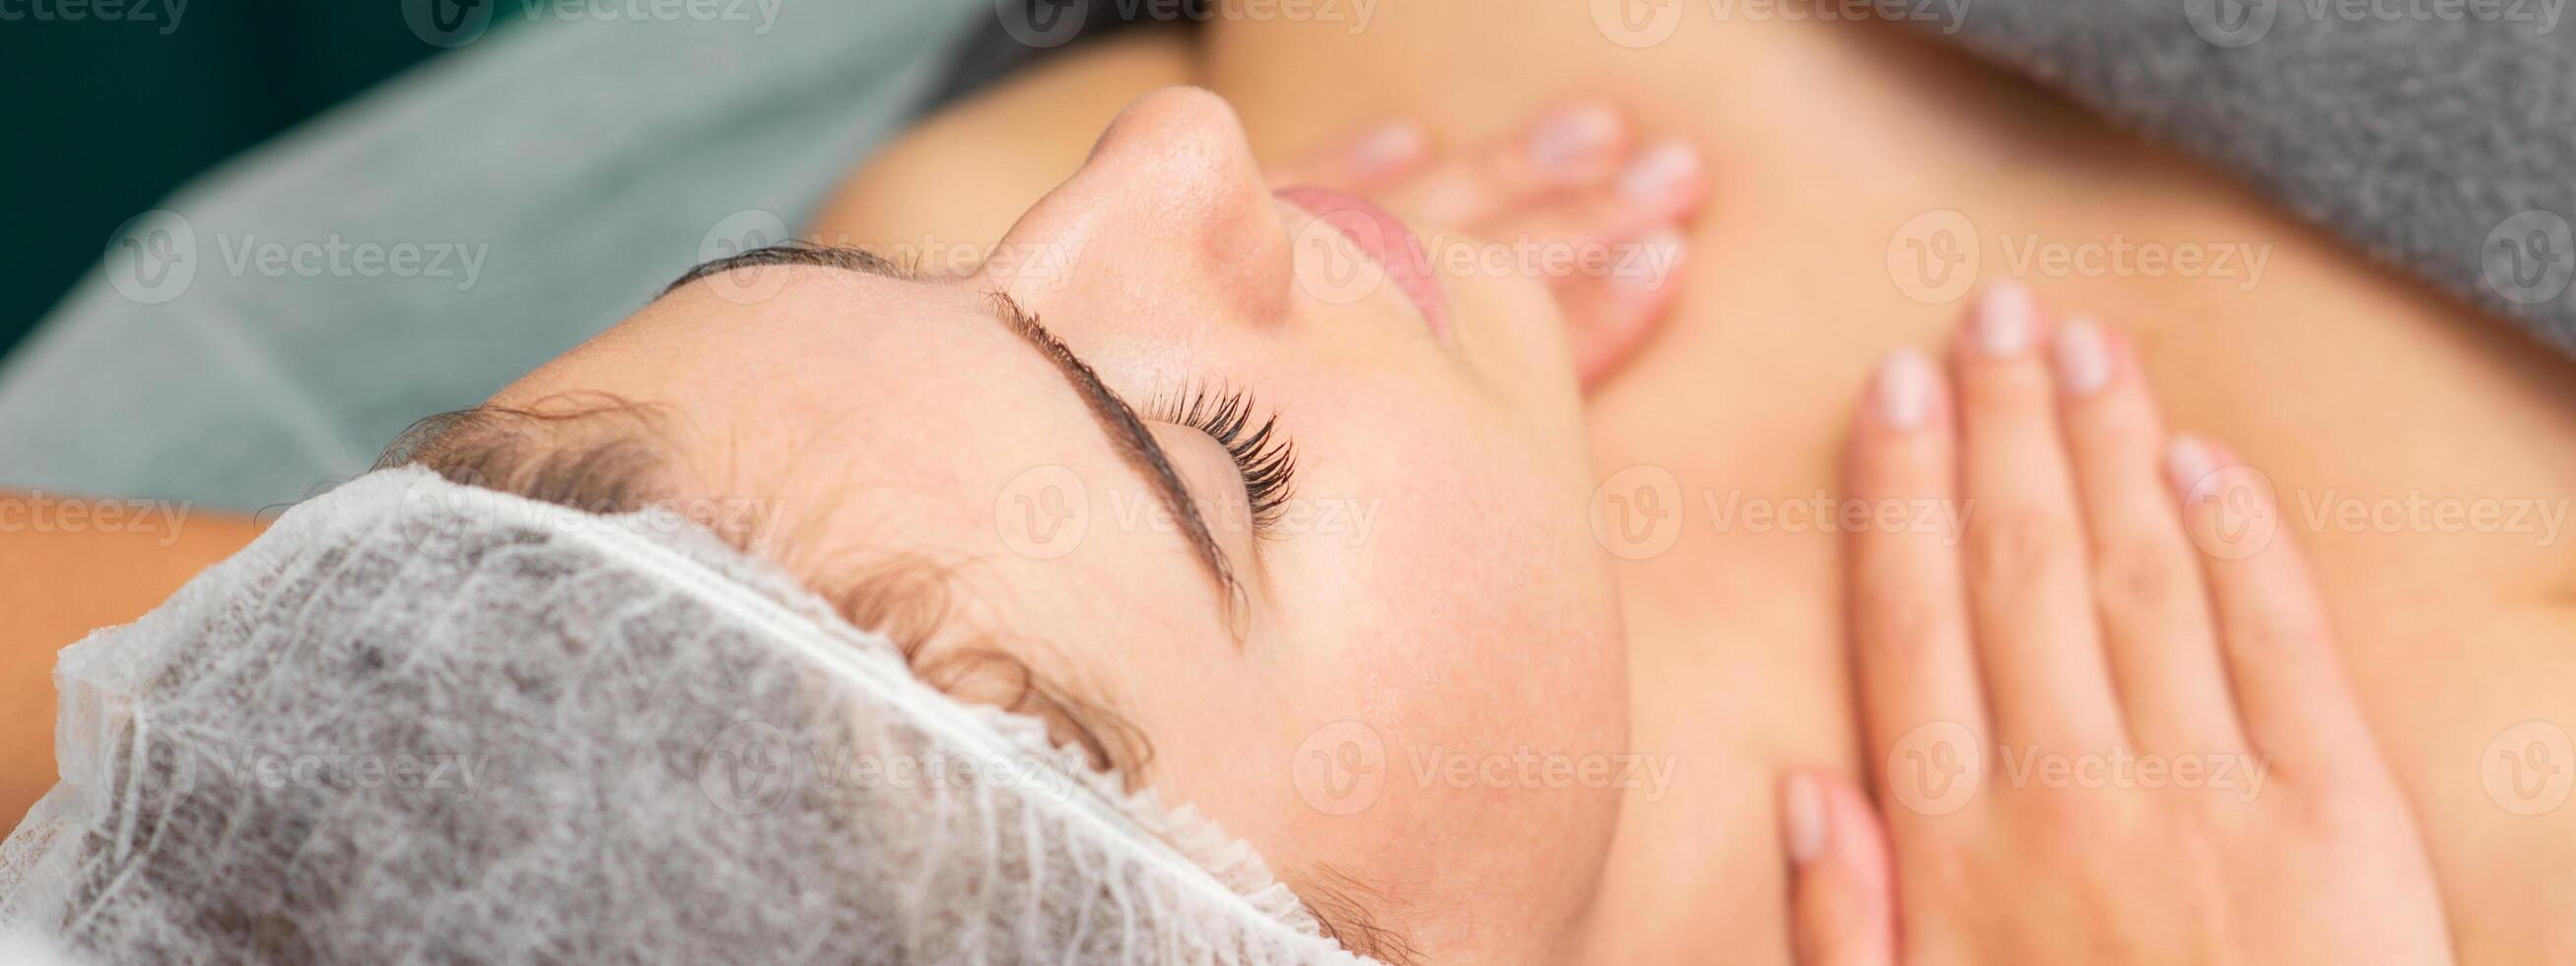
(1474, 661)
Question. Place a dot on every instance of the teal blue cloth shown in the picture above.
(547, 178)
(417, 248)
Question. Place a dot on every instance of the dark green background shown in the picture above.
(105, 118)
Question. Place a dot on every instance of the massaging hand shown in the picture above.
(2108, 724)
(1570, 197)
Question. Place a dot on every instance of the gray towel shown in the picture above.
(2438, 135)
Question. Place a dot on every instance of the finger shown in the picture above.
(1572, 147)
(1660, 187)
(2289, 683)
(1368, 161)
(1610, 316)
(1912, 654)
(1842, 891)
(2028, 595)
(2155, 619)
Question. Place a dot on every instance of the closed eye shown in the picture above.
(1264, 456)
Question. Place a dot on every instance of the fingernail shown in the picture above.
(1658, 173)
(2004, 319)
(1388, 147)
(2187, 462)
(1561, 145)
(1802, 809)
(1652, 267)
(2083, 357)
(1904, 389)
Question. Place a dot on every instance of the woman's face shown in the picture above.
(1389, 672)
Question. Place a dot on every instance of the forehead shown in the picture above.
(822, 364)
(785, 336)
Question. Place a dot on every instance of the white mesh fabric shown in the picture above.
(625, 742)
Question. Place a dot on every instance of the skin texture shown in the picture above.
(1735, 636)
(889, 420)
(2249, 816)
(1823, 140)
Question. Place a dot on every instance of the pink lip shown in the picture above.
(1386, 240)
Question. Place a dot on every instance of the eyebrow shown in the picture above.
(1126, 432)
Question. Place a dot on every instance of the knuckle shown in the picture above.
(2133, 585)
(2273, 633)
(2010, 396)
(1948, 858)
(1903, 622)
(2012, 545)
(2122, 420)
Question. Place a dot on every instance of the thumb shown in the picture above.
(1841, 888)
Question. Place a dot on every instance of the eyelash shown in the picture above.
(1265, 456)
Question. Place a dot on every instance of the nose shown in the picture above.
(1171, 203)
